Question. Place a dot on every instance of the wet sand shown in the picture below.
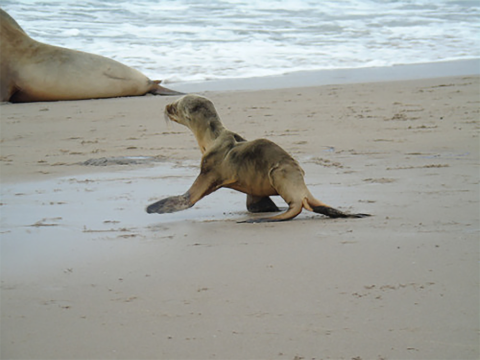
(87, 274)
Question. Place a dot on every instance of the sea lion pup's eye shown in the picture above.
(196, 108)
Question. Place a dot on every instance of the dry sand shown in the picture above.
(87, 274)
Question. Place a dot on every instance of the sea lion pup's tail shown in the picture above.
(157, 89)
(312, 204)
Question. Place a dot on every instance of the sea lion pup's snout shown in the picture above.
(174, 113)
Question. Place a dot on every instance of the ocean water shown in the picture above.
(192, 40)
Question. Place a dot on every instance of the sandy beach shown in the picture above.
(86, 273)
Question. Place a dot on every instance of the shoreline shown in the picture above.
(311, 78)
(52, 160)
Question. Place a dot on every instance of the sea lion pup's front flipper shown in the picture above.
(170, 205)
(204, 184)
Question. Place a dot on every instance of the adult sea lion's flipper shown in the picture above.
(157, 89)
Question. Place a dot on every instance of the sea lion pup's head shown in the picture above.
(192, 110)
(199, 115)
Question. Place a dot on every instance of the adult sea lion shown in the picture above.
(259, 168)
(33, 71)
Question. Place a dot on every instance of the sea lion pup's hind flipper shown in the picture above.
(256, 204)
(157, 89)
(315, 205)
(334, 213)
(295, 209)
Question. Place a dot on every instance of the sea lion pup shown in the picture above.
(260, 167)
(33, 71)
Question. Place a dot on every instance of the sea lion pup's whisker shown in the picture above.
(168, 121)
(258, 168)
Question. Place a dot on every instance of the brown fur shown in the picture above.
(33, 71)
(259, 168)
